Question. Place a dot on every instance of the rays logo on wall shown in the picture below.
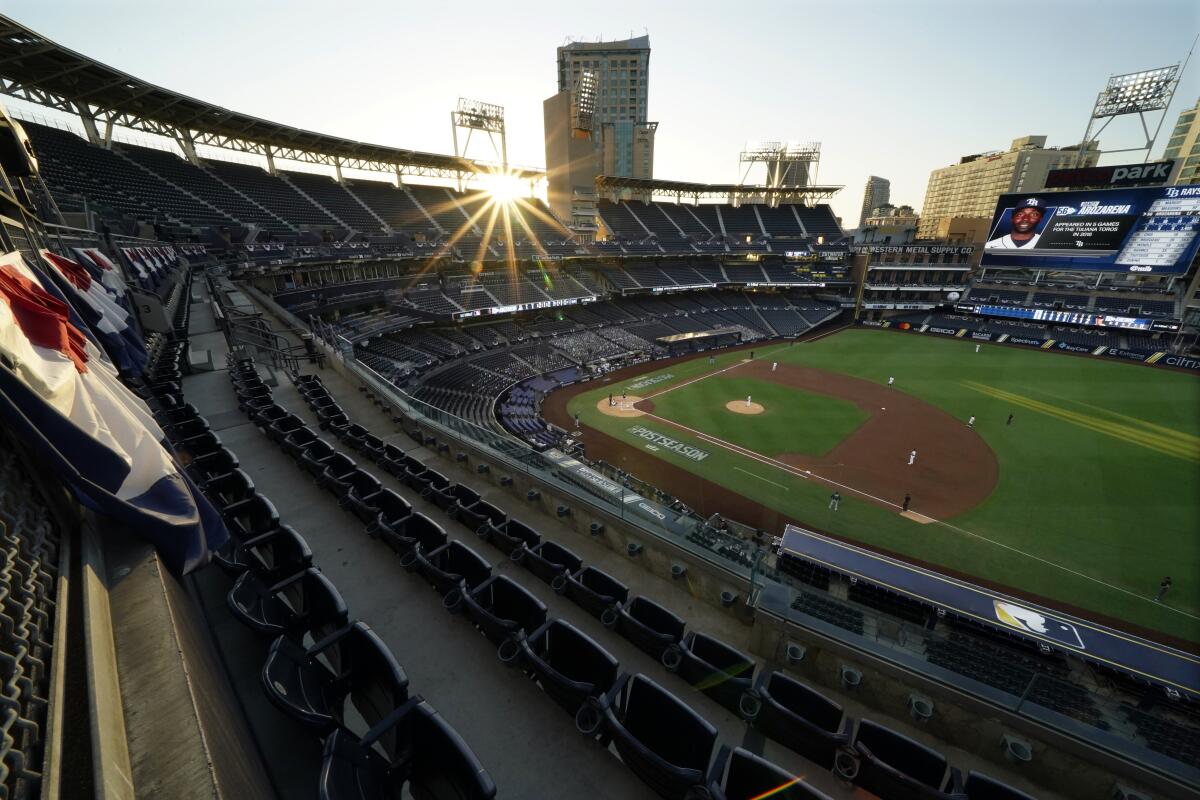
(1027, 620)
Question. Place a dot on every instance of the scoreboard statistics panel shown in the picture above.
(1150, 230)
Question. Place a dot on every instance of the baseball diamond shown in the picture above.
(1098, 452)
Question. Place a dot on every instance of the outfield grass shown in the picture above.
(1099, 473)
(792, 421)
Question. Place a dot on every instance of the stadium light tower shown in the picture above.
(475, 115)
(1139, 93)
(789, 164)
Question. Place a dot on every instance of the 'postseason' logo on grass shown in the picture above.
(685, 450)
(644, 382)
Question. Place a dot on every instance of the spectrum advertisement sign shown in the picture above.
(1150, 230)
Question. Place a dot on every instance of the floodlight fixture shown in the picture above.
(1137, 92)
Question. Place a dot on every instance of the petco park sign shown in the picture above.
(658, 439)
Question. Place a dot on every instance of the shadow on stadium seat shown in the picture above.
(891, 765)
(797, 717)
(666, 744)
(741, 775)
(223, 491)
(551, 562)
(568, 664)
(351, 666)
(413, 748)
(652, 629)
(454, 565)
(215, 464)
(274, 556)
(598, 593)
(306, 604)
(715, 668)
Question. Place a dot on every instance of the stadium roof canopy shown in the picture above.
(37, 70)
(611, 185)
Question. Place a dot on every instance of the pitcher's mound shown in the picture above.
(621, 407)
(742, 407)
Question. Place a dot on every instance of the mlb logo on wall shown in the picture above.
(1027, 620)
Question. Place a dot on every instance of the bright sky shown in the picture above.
(889, 89)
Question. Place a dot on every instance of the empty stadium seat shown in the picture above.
(500, 607)
(391, 512)
(350, 667)
(412, 533)
(511, 536)
(551, 562)
(413, 748)
(894, 766)
(980, 787)
(280, 428)
(245, 520)
(452, 566)
(316, 456)
(666, 744)
(304, 605)
(359, 498)
(448, 498)
(741, 775)
(715, 668)
(650, 627)
(568, 664)
(797, 717)
(337, 469)
(597, 592)
(298, 441)
(479, 514)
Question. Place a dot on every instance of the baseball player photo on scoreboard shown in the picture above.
(1022, 224)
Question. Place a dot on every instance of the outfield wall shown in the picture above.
(1159, 358)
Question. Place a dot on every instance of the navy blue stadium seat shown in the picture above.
(452, 566)
(337, 470)
(568, 664)
(349, 667)
(501, 607)
(715, 668)
(280, 428)
(666, 744)
(245, 520)
(741, 775)
(980, 787)
(510, 536)
(304, 605)
(652, 628)
(551, 562)
(894, 766)
(798, 717)
(359, 498)
(597, 592)
(391, 511)
(413, 748)
(315, 457)
(410, 534)
(480, 514)
(448, 498)
(298, 441)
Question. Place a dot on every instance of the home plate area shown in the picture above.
(744, 407)
(621, 406)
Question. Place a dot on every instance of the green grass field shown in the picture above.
(1096, 499)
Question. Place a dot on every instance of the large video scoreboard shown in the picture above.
(1150, 230)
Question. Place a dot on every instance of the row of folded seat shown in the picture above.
(663, 740)
(321, 669)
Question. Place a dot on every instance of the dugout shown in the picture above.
(679, 344)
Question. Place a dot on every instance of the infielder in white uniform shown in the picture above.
(912, 457)
(1026, 217)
